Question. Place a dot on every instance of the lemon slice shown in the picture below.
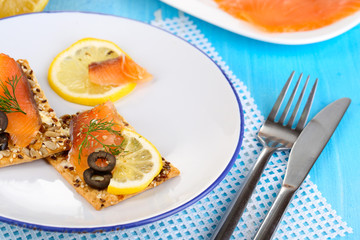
(69, 76)
(14, 7)
(136, 167)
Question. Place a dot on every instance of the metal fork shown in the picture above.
(274, 135)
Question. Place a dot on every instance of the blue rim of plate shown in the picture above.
(162, 215)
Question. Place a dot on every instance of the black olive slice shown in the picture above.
(4, 139)
(97, 180)
(105, 158)
(3, 121)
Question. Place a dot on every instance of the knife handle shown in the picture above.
(231, 218)
(272, 219)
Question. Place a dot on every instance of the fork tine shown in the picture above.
(305, 113)
(287, 107)
(297, 106)
(280, 98)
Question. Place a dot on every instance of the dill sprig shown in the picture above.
(96, 125)
(8, 102)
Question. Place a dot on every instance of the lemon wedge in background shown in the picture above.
(136, 167)
(68, 74)
(14, 7)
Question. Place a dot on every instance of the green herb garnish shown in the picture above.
(96, 125)
(8, 102)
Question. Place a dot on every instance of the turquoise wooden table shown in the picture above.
(264, 67)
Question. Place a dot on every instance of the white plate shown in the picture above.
(207, 10)
(190, 112)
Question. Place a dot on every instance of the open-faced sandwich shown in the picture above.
(29, 128)
(108, 161)
(96, 151)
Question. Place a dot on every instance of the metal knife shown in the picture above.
(303, 155)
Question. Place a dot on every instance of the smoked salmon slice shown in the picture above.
(79, 125)
(118, 71)
(289, 15)
(21, 127)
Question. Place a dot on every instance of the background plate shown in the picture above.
(190, 112)
(207, 10)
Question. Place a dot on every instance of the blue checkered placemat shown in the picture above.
(309, 216)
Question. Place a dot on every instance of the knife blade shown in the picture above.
(303, 155)
(312, 141)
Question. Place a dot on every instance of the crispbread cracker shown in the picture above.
(101, 198)
(51, 138)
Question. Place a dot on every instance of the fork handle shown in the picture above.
(229, 221)
(272, 219)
